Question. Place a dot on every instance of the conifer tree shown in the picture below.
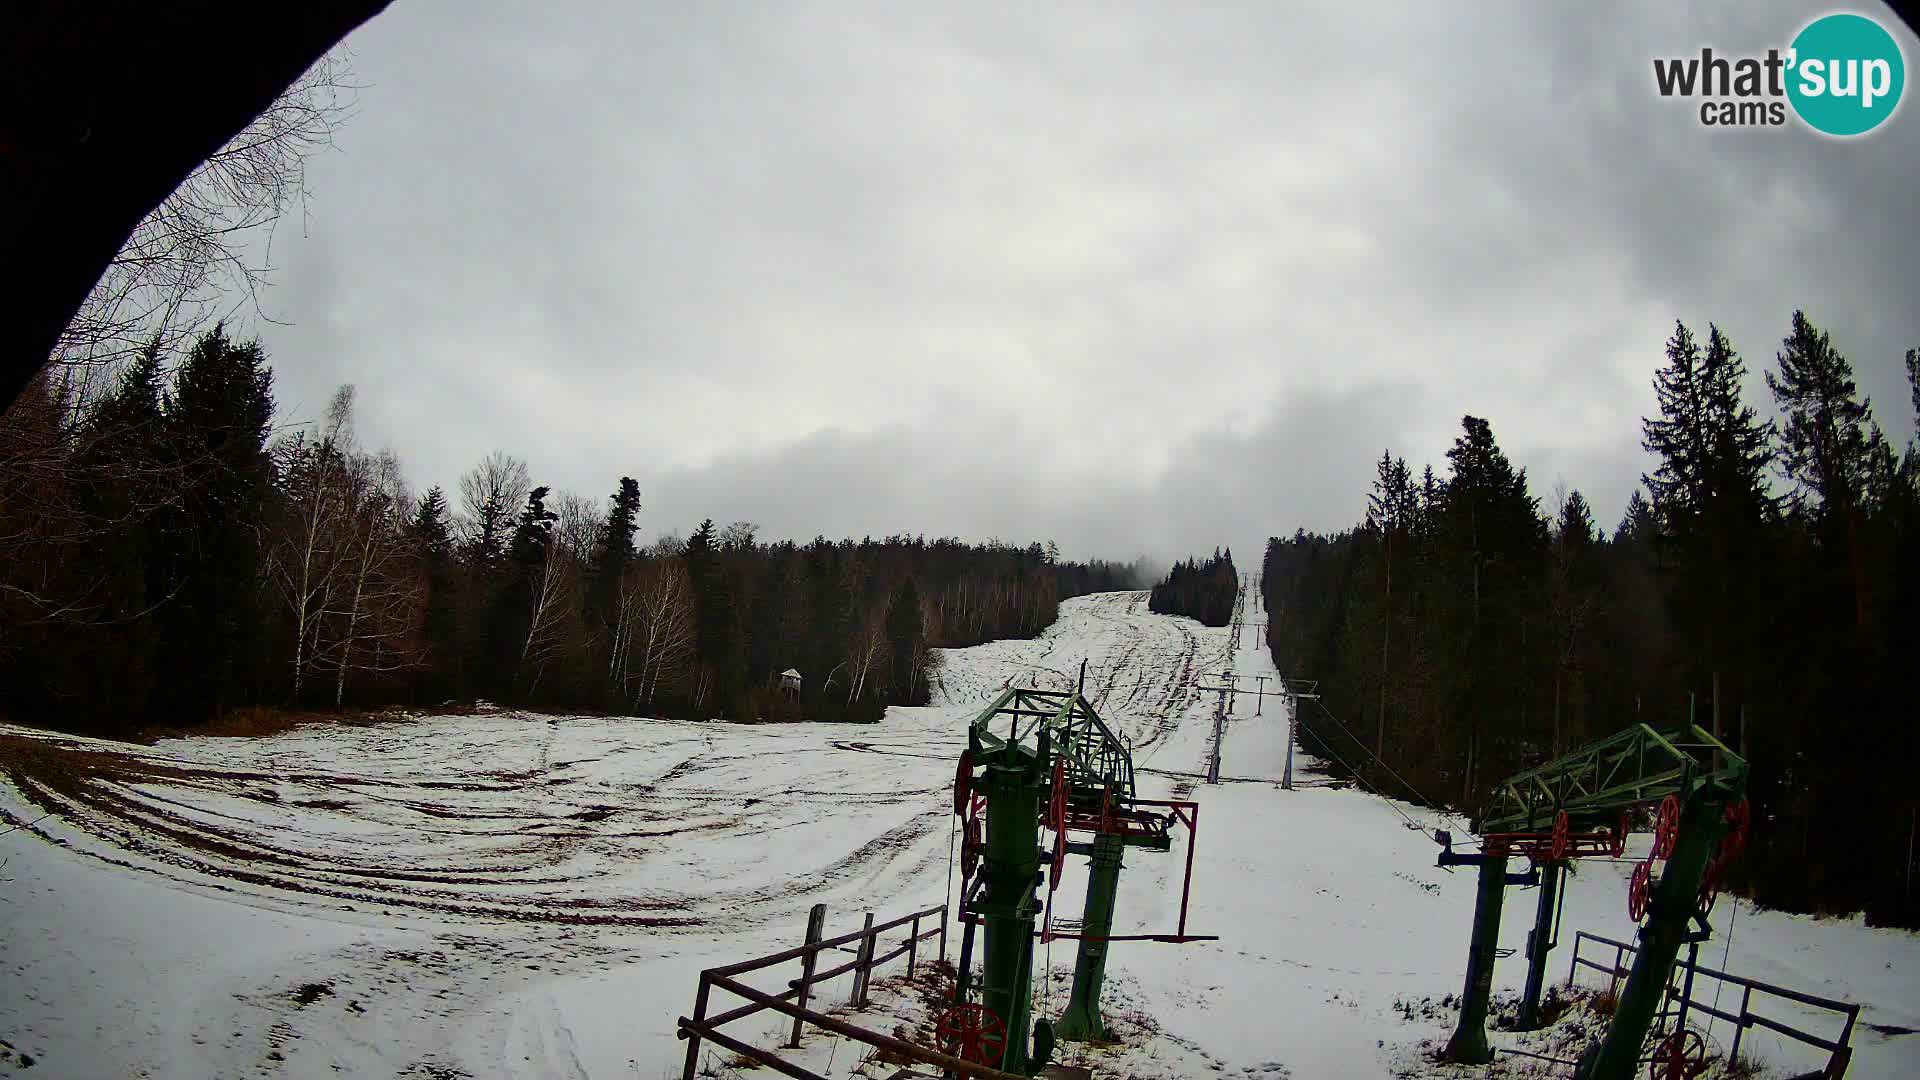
(120, 447)
(1913, 384)
(1638, 523)
(1829, 428)
(433, 537)
(1390, 511)
(206, 547)
(514, 611)
(1494, 541)
(714, 641)
(1711, 501)
(1830, 446)
(614, 554)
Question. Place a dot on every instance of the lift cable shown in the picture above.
(1357, 779)
(1721, 984)
(953, 830)
(1395, 803)
(1416, 792)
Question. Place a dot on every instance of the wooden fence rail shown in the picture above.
(702, 1027)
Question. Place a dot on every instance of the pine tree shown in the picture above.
(612, 557)
(1913, 383)
(1679, 436)
(1494, 539)
(715, 639)
(439, 629)
(513, 614)
(1829, 427)
(119, 448)
(614, 553)
(1572, 594)
(1830, 446)
(1638, 524)
(207, 545)
(1711, 501)
(1910, 466)
(1389, 511)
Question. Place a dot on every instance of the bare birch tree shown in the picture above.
(491, 493)
(552, 600)
(580, 525)
(207, 248)
(866, 651)
(663, 628)
(379, 596)
(302, 556)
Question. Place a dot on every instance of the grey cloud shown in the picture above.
(1087, 271)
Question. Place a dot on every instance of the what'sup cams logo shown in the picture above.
(1842, 75)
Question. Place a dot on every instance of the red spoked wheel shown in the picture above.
(1666, 827)
(1710, 886)
(1058, 866)
(971, 847)
(1562, 835)
(1739, 820)
(1057, 805)
(970, 1031)
(1639, 889)
(963, 783)
(1057, 821)
(1681, 1056)
(1619, 846)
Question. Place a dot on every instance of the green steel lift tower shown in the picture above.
(1581, 805)
(1039, 759)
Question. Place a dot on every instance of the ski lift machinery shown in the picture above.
(1044, 760)
(1581, 805)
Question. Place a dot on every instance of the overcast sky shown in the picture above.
(1141, 278)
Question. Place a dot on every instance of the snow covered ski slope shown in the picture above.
(508, 895)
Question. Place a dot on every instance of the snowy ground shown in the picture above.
(524, 896)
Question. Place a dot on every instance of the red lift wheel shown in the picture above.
(1059, 860)
(970, 1031)
(963, 783)
(1638, 889)
(1057, 806)
(970, 848)
(1681, 1056)
(1710, 886)
(1619, 847)
(1740, 818)
(1666, 827)
(1562, 835)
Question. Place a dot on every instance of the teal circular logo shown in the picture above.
(1845, 74)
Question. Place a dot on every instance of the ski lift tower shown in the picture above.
(1581, 805)
(1035, 759)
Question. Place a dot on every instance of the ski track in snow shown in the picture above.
(509, 894)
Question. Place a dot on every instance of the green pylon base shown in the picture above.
(1469, 1044)
(1082, 1021)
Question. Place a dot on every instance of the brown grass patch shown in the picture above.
(261, 721)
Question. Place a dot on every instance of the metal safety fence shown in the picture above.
(793, 1002)
(1681, 1000)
